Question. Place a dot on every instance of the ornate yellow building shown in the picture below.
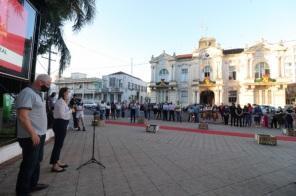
(263, 73)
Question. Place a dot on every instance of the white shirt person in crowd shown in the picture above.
(62, 114)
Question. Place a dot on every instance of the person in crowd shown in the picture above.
(138, 112)
(72, 104)
(280, 117)
(249, 115)
(145, 109)
(113, 110)
(80, 114)
(257, 115)
(232, 110)
(171, 109)
(149, 110)
(31, 129)
(159, 111)
(226, 113)
(274, 119)
(118, 108)
(132, 107)
(245, 115)
(102, 110)
(165, 111)
(50, 105)
(196, 111)
(215, 111)
(107, 112)
(190, 114)
(239, 115)
(178, 110)
(265, 119)
(155, 111)
(62, 114)
(123, 107)
(221, 111)
(289, 119)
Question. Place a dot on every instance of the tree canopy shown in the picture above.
(54, 14)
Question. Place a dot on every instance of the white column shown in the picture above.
(197, 97)
(83, 91)
(266, 97)
(152, 74)
(155, 70)
(251, 69)
(172, 71)
(260, 97)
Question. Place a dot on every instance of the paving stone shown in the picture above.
(166, 163)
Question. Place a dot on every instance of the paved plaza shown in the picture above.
(170, 162)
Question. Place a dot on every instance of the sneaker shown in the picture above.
(83, 129)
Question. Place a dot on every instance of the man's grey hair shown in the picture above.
(43, 77)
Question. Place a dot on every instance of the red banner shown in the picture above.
(13, 21)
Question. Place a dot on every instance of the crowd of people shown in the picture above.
(233, 115)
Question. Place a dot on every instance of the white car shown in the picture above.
(89, 105)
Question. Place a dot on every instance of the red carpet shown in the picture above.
(210, 132)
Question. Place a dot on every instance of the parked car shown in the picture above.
(265, 108)
(89, 105)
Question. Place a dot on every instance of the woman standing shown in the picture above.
(62, 114)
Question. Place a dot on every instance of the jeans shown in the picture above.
(60, 130)
(179, 117)
(29, 172)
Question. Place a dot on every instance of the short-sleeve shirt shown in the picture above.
(32, 100)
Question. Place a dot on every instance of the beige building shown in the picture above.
(263, 73)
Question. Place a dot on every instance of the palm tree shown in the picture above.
(54, 14)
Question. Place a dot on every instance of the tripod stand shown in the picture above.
(92, 159)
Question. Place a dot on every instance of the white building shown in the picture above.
(89, 89)
(263, 73)
(120, 86)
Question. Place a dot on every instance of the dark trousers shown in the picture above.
(172, 115)
(226, 117)
(239, 121)
(28, 175)
(232, 119)
(75, 120)
(179, 117)
(133, 115)
(196, 117)
(60, 130)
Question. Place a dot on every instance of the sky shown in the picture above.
(129, 32)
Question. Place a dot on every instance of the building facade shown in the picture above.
(89, 89)
(115, 87)
(122, 87)
(263, 73)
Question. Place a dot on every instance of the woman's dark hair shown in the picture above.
(62, 92)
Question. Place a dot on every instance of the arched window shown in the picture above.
(207, 71)
(164, 74)
(261, 69)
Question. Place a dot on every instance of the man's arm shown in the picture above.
(23, 115)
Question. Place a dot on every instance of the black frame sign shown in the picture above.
(17, 31)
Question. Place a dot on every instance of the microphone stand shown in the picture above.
(93, 159)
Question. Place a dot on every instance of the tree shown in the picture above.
(54, 14)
